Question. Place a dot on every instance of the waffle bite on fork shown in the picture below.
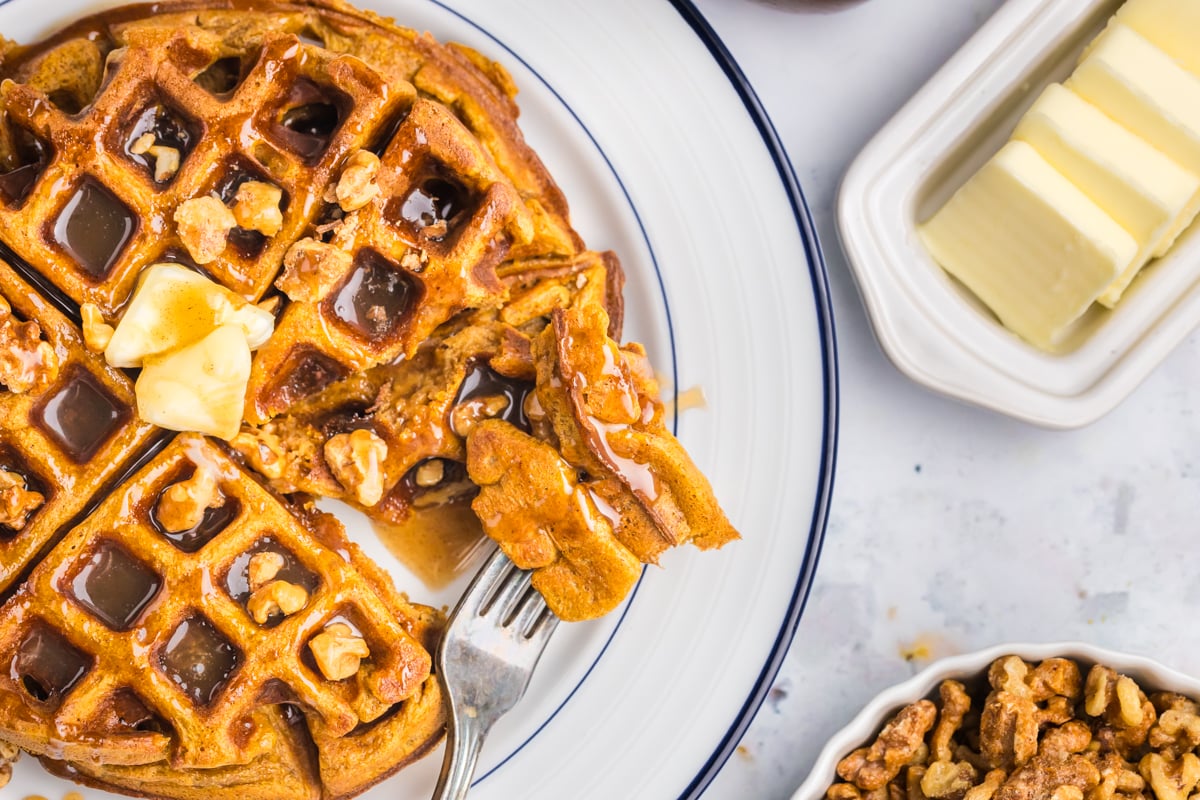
(355, 202)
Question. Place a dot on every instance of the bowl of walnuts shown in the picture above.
(1064, 721)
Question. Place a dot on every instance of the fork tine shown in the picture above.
(483, 585)
(527, 611)
(508, 597)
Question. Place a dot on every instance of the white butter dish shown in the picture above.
(931, 326)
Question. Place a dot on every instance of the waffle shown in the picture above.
(67, 426)
(137, 647)
(177, 619)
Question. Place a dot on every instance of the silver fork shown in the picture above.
(492, 643)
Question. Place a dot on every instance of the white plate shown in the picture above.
(667, 159)
(930, 325)
(1150, 675)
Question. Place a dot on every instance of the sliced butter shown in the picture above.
(200, 387)
(1029, 244)
(1143, 89)
(1146, 193)
(1172, 26)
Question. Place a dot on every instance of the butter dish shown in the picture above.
(933, 328)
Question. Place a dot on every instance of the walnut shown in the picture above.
(142, 145)
(955, 704)
(1071, 737)
(1177, 730)
(356, 460)
(1175, 779)
(1044, 774)
(1117, 776)
(27, 361)
(17, 503)
(1008, 728)
(843, 791)
(948, 779)
(1127, 713)
(430, 473)
(1054, 677)
(204, 224)
(468, 414)
(991, 783)
(873, 767)
(96, 333)
(311, 268)
(256, 207)
(357, 186)
(166, 162)
(263, 450)
(263, 568)
(414, 260)
(338, 651)
(183, 504)
(276, 597)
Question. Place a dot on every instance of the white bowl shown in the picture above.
(931, 326)
(861, 731)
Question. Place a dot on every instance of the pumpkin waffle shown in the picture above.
(68, 427)
(418, 411)
(140, 648)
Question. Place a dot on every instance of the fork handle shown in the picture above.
(464, 740)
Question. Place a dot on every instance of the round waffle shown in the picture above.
(177, 619)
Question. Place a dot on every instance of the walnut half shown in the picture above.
(16, 502)
(356, 460)
(183, 505)
(338, 651)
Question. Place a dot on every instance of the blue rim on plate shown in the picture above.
(829, 368)
(828, 339)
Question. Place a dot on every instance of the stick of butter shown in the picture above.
(1029, 244)
(1171, 25)
(1143, 88)
(1146, 193)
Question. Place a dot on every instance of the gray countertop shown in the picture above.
(952, 528)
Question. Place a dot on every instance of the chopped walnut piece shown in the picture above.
(468, 414)
(263, 450)
(843, 791)
(356, 460)
(414, 260)
(183, 505)
(357, 186)
(1071, 737)
(1117, 700)
(955, 704)
(873, 767)
(1008, 728)
(256, 207)
(204, 224)
(96, 332)
(338, 651)
(276, 597)
(142, 144)
(991, 783)
(948, 779)
(1177, 730)
(430, 473)
(1171, 780)
(311, 268)
(17, 503)
(166, 162)
(263, 568)
(1044, 774)
(27, 360)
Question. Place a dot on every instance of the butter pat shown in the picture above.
(1146, 193)
(1029, 244)
(1145, 90)
(200, 387)
(1172, 26)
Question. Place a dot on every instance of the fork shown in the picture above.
(492, 643)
